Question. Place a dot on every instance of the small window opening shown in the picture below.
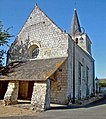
(81, 40)
(76, 40)
(60, 70)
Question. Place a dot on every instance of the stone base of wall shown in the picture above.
(11, 94)
(40, 100)
(58, 85)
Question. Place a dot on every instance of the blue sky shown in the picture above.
(91, 13)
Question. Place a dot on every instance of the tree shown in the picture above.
(4, 39)
(102, 84)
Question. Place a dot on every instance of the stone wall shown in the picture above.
(86, 64)
(84, 42)
(58, 85)
(11, 94)
(86, 61)
(39, 30)
(40, 100)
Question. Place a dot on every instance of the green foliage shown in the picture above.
(4, 38)
(102, 84)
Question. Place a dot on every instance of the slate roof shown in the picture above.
(39, 70)
(75, 25)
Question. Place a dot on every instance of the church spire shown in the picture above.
(75, 26)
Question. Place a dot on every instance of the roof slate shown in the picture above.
(75, 25)
(39, 70)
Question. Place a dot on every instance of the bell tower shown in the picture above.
(81, 38)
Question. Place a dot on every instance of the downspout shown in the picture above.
(73, 72)
(73, 99)
(93, 77)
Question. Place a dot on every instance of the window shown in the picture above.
(76, 40)
(33, 51)
(79, 80)
(87, 81)
(80, 73)
(89, 48)
(81, 40)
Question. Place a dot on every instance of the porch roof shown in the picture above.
(38, 70)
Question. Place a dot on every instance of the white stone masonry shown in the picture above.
(11, 94)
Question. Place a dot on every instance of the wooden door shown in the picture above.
(25, 90)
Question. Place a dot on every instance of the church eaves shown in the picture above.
(75, 26)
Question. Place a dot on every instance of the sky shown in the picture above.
(91, 13)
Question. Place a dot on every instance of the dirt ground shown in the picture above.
(15, 111)
(6, 111)
(23, 108)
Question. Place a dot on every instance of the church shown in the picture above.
(47, 65)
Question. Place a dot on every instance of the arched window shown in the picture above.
(33, 51)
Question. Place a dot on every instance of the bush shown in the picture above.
(102, 84)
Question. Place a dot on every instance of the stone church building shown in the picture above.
(47, 65)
